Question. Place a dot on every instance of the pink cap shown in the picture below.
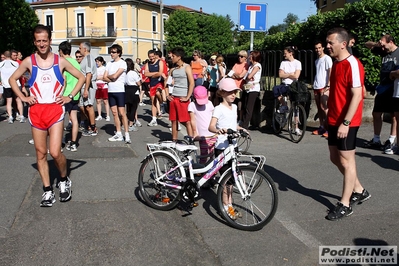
(228, 84)
(201, 95)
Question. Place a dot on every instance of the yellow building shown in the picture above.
(135, 25)
(331, 5)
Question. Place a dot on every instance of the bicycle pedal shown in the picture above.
(194, 204)
(165, 200)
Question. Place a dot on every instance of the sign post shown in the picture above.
(252, 18)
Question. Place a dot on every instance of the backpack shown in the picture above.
(299, 92)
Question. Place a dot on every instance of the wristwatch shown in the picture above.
(346, 122)
(70, 96)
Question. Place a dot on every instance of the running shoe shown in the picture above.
(127, 139)
(48, 199)
(389, 148)
(98, 118)
(65, 190)
(138, 124)
(22, 119)
(153, 123)
(116, 137)
(107, 118)
(340, 211)
(132, 128)
(372, 144)
(10, 120)
(318, 131)
(90, 133)
(298, 132)
(359, 198)
(142, 104)
(31, 141)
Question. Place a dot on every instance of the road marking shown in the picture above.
(297, 231)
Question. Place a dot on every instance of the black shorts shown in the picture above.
(395, 104)
(346, 144)
(145, 86)
(72, 106)
(383, 102)
(8, 93)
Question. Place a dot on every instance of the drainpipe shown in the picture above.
(137, 28)
(161, 9)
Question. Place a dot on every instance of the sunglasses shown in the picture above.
(113, 52)
(195, 55)
(79, 56)
(241, 56)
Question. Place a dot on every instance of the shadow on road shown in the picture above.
(286, 182)
(382, 161)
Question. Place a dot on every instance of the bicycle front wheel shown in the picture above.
(243, 144)
(156, 195)
(297, 122)
(254, 211)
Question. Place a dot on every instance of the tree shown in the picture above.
(207, 33)
(291, 19)
(17, 20)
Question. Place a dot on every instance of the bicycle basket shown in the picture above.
(299, 91)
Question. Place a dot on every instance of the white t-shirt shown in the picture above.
(323, 65)
(227, 118)
(203, 116)
(256, 77)
(119, 84)
(132, 78)
(290, 67)
(100, 72)
(7, 68)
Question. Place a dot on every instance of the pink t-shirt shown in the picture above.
(239, 68)
(203, 116)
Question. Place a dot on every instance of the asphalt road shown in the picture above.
(106, 222)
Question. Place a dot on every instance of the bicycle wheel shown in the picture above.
(255, 211)
(278, 120)
(297, 122)
(155, 195)
(243, 143)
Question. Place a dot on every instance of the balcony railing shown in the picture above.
(92, 32)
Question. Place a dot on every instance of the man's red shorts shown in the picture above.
(154, 89)
(179, 110)
(43, 116)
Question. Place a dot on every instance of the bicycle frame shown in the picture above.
(210, 170)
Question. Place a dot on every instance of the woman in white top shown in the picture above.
(102, 89)
(252, 87)
(132, 93)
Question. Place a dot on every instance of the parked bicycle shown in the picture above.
(292, 115)
(166, 177)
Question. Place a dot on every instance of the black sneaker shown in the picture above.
(340, 211)
(358, 198)
(65, 190)
(372, 144)
(48, 199)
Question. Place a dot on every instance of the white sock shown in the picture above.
(392, 139)
(154, 118)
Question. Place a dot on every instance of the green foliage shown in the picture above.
(207, 33)
(366, 19)
(17, 20)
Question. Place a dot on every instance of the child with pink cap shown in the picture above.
(200, 115)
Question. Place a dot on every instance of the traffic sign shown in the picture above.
(252, 17)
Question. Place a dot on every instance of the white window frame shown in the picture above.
(109, 10)
(154, 15)
(80, 10)
(46, 13)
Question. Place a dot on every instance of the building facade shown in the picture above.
(137, 25)
(331, 5)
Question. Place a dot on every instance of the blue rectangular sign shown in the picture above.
(252, 17)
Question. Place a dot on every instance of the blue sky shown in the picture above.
(277, 9)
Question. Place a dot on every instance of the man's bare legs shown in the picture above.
(346, 163)
(40, 140)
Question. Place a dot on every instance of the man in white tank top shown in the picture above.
(46, 112)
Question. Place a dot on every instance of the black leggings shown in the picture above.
(249, 99)
(132, 101)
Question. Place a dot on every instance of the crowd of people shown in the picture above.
(203, 96)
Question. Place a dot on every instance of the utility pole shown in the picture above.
(161, 12)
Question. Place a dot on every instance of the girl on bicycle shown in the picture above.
(225, 117)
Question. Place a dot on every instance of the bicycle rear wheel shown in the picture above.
(155, 195)
(278, 120)
(297, 122)
(258, 208)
